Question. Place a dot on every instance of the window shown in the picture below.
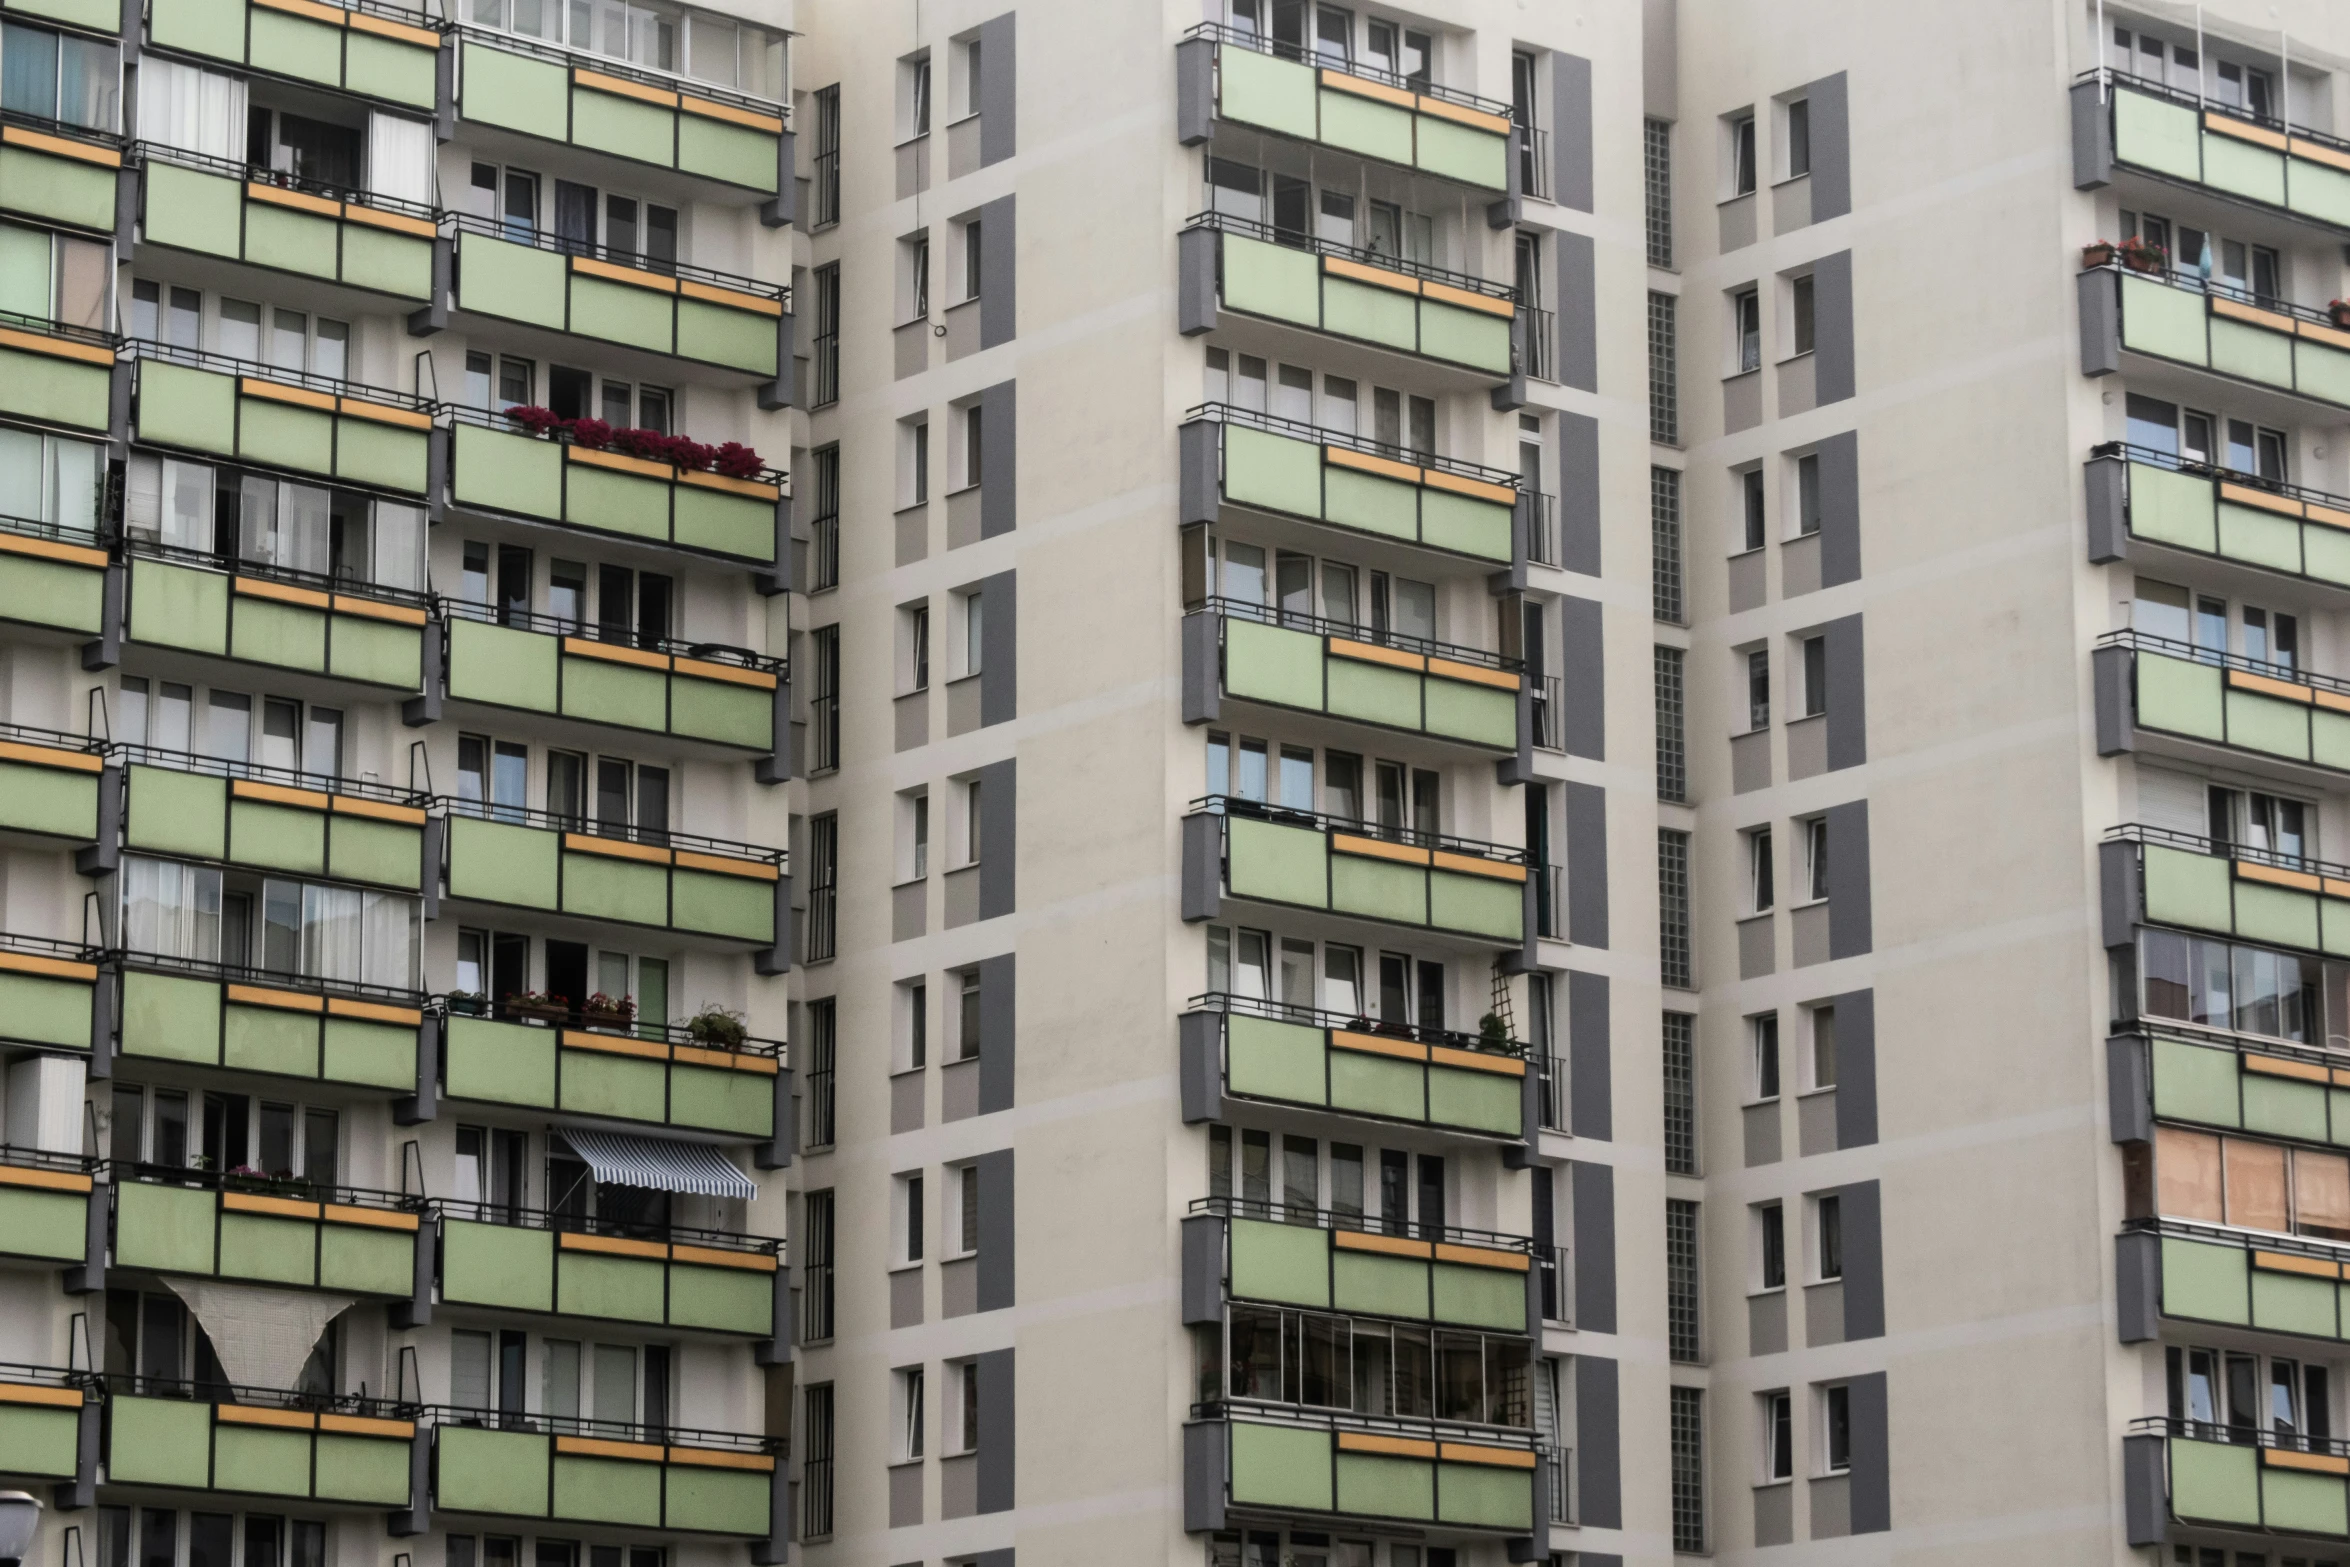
(973, 255)
(910, 1218)
(1828, 1216)
(1681, 1282)
(1798, 138)
(1672, 766)
(1750, 497)
(816, 1247)
(823, 1055)
(1657, 168)
(972, 820)
(705, 46)
(1745, 330)
(967, 1029)
(967, 1210)
(1815, 676)
(1823, 1047)
(824, 699)
(918, 646)
(1807, 494)
(1739, 130)
(966, 1374)
(1799, 304)
(824, 159)
(914, 815)
(53, 277)
(914, 98)
(917, 1025)
(824, 343)
(910, 1413)
(1680, 1067)
(974, 632)
(1664, 401)
(1687, 1439)
(1761, 893)
(1778, 1434)
(1771, 1245)
(59, 76)
(1758, 689)
(1836, 1428)
(1763, 1028)
(1664, 526)
(1815, 859)
(51, 482)
(914, 278)
(1672, 877)
(816, 1417)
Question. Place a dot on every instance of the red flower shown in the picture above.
(737, 461)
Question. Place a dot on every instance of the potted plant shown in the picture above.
(602, 1011)
(717, 1028)
(537, 1006)
(2099, 254)
(245, 1178)
(467, 1003)
(2139, 256)
(2340, 310)
(1492, 1033)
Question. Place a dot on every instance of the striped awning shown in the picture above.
(659, 1164)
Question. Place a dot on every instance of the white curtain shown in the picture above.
(399, 545)
(399, 157)
(330, 932)
(195, 110)
(389, 957)
(262, 1336)
(171, 909)
(169, 501)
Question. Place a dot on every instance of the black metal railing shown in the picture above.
(1321, 625)
(2218, 1036)
(1542, 526)
(1300, 430)
(315, 581)
(1559, 1465)
(1261, 43)
(505, 424)
(2236, 1435)
(1421, 1428)
(598, 827)
(648, 1433)
(1288, 816)
(2112, 78)
(537, 238)
(21, 1158)
(286, 777)
(1330, 1219)
(1551, 1083)
(263, 370)
(67, 331)
(1385, 261)
(24, 1374)
(2220, 658)
(48, 125)
(824, 552)
(258, 1183)
(53, 739)
(1550, 1263)
(130, 1384)
(90, 537)
(1537, 343)
(144, 152)
(1533, 161)
(514, 1217)
(823, 734)
(1549, 693)
(2193, 843)
(2155, 457)
(1352, 1023)
(626, 70)
(1550, 901)
(2193, 281)
(596, 631)
(251, 974)
(511, 1010)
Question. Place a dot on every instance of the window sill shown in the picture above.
(1740, 375)
(917, 137)
(1736, 196)
(1798, 538)
(1816, 1283)
(1781, 1483)
(907, 1463)
(968, 489)
(1809, 353)
(958, 1256)
(1766, 1292)
(1814, 1093)
(1832, 1474)
(1758, 914)
(1757, 1104)
(911, 1071)
(965, 120)
(905, 1267)
(911, 881)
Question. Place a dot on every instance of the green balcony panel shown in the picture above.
(717, 1500)
(2284, 1108)
(56, 797)
(1275, 281)
(607, 1491)
(1378, 1085)
(1485, 1496)
(208, 27)
(1464, 153)
(1265, 1059)
(2156, 134)
(1480, 905)
(172, 812)
(267, 1249)
(1486, 1101)
(717, 149)
(1289, 1263)
(1361, 125)
(1376, 1485)
(159, 1441)
(1280, 1466)
(2195, 1083)
(2214, 1482)
(396, 70)
(1481, 714)
(722, 335)
(516, 282)
(1380, 1285)
(603, 691)
(368, 1469)
(478, 1471)
(361, 1259)
(49, 1007)
(277, 837)
(69, 190)
(261, 1461)
(1374, 693)
(2206, 1283)
(2249, 352)
(1375, 315)
(186, 210)
(2262, 538)
(2181, 697)
(501, 665)
(373, 1055)
(168, 1229)
(42, 1221)
(600, 886)
(2187, 889)
(385, 853)
(1275, 863)
(722, 1300)
(512, 473)
(1465, 336)
(178, 607)
(613, 502)
(714, 903)
(722, 1100)
(622, 1289)
(269, 1039)
(2242, 170)
(168, 1018)
(1378, 889)
(2320, 190)
(266, 631)
(1273, 472)
(2291, 1303)
(724, 712)
(2276, 915)
(377, 452)
(1464, 525)
(1480, 1297)
(54, 387)
(284, 436)
(501, 1063)
(292, 241)
(2161, 320)
(497, 1265)
(623, 127)
(599, 1082)
(2321, 370)
(2303, 1503)
(1257, 89)
(623, 313)
(725, 521)
(39, 1440)
(1273, 664)
(380, 652)
(1371, 504)
(296, 46)
(515, 91)
(58, 586)
(498, 862)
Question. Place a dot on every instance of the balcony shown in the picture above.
(346, 1451)
(2171, 878)
(701, 1281)
(52, 577)
(2144, 496)
(1246, 850)
(1289, 659)
(1252, 1251)
(2212, 1476)
(594, 1472)
(260, 1230)
(56, 374)
(1233, 457)
(499, 469)
(270, 818)
(62, 173)
(326, 430)
(49, 785)
(375, 51)
(219, 207)
(190, 601)
(2178, 317)
(2234, 1278)
(364, 1037)
(1242, 1460)
(2176, 136)
(652, 1075)
(45, 992)
(42, 1411)
(1266, 1052)
(718, 696)
(711, 319)
(1242, 76)
(1253, 269)
(2172, 692)
(44, 1214)
(513, 858)
(606, 106)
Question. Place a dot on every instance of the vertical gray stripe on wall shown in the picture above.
(999, 651)
(1598, 1458)
(1839, 509)
(1872, 1481)
(1575, 451)
(1849, 919)
(999, 271)
(1581, 665)
(999, 458)
(1590, 1058)
(1861, 1214)
(1586, 806)
(1831, 148)
(995, 1458)
(997, 1038)
(1570, 135)
(1847, 693)
(999, 95)
(1856, 1068)
(1578, 312)
(1594, 1199)
(1832, 373)
(999, 829)
(996, 1284)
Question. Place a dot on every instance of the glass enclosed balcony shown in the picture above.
(653, 1074)
(2179, 317)
(1253, 852)
(251, 1020)
(2226, 1477)
(256, 1229)
(522, 859)
(374, 51)
(704, 692)
(500, 469)
(54, 373)
(2231, 889)
(44, 1214)
(599, 1472)
(49, 784)
(1323, 1261)
(1342, 103)
(1252, 268)
(1299, 661)
(2174, 691)
(64, 173)
(703, 1281)
(271, 818)
(46, 991)
(2184, 137)
(328, 430)
(190, 601)
(219, 207)
(2137, 494)
(605, 105)
(1242, 1459)
(1236, 457)
(52, 578)
(1236, 1048)
(204, 1437)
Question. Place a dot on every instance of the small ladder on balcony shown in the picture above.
(1500, 1007)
